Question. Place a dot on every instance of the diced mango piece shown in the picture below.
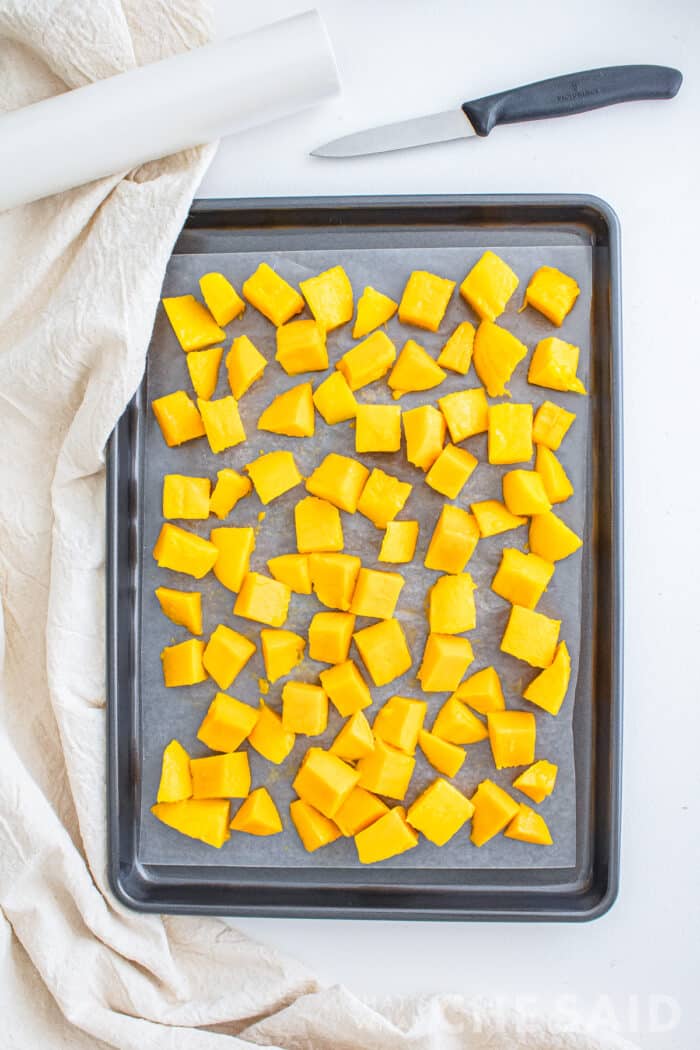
(346, 688)
(335, 400)
(304, 708)
(223, 301)
(272, 295)
(244, 364)
(451, 471)
(235, 546)
(493, 518)
(528, 826)
(551, 424)
(182, 664)
(221, 776)
(226, 655)
(229, 489)
(318, 526)
(456, 724)
(445, 661)
(182, 607)
(376, 593)
(451, 606)
(175, 777)
(456, 354)
(488, 286)
(493, 809)
(222, 423)
(333, 578)
(203, 818)
(524, 492)
(324, 781)
(466, 413)
(399, 543)
(400, 721)
(330, 298)
(340, 480)
(330, 635)
(269, 737)
(414, 370)
(178, 418)
(183, 551)
(292, 569)
(373, 309)
(273, 474)
(551, 292)
(258, 815)
(378, 428)
(482, 691)
(424, 428)
(384, 651)
(548, 689)
(496, 354)
(368, 361)
(386, 771)
(360, 809)
(386, 837)
(313, 828)
(554, 364)
(512, 736)
(383, 497)
(555, 479)
(355, 739)
(538, 781)
(425, 299)
(531, 636)
(282, 651)
(439, 812)
(453, 542)
(301, 347)
(447, 758)
(510, 433)
(552, 538)
(263, 600)
(227, 723)
(521, 578)
(192, 323)
(290, 413)
(203, 366)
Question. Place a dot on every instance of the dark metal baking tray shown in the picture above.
(586, 889)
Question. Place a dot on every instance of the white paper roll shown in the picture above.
(118, 123)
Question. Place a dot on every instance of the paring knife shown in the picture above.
(557, 97)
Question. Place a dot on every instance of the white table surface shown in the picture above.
(400, 58)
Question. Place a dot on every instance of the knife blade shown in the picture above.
(556, 97)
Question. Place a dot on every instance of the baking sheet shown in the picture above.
(167, 713)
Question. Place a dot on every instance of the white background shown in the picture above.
(400, 58)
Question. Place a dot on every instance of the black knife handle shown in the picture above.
(573, 93)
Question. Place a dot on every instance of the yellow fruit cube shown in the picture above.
(221, 776)
(521, 578)
(292, 569)
(335, 400)
(368, 361)
(263, 600)
(384, 651)
(182, 607)
(451, 606)
(313, 828)
(373, 309)
(414, 370)
(227, 723)
(324, 781)
(554, 478)
(330, 298)
(387, 837)
(512, 737)
(551, 425)
(226, 654)
(554, 363)
(378, 428)
(510, 433)
(304, 708)
(424, 428)
(496, 355)
(182, 664)
(301, 347)
(493, 810)
(318, 526)
(445, 661)
(445, 757)
(346, 688)
(383, 497)
(524, 492)
(178, 418)
(376, 593)
(235, 546)
(528, 826)
(272, 295)
(399, 722)
(244, 365)
(290, 413)
(552, 538)
(451, 471)
(282, 651)
(175, 777)
(466, 413)
(439, 812)
(340, 480)
(183, 551)
(258, 815)
(229, 489)
(222, 423)
(192, 323)
(456, 724)
(456, 354)
(453, 542)
(531, 636)
(538, 781)
(269, 737)
(273, 474)
(386, 771)
(333, 578)
(482, 691)
(399, 543)
(551, 292)
(360, 809)
(203, 818)
(548, 690)
(203, 366)
(223, 301)
(493, 518)
(488, 286)
(355, 739)
(330, 635)
(425, 299)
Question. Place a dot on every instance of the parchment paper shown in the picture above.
(167, 713)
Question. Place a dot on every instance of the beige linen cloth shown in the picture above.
(80, 276)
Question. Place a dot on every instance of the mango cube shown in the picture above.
(226, 654)
(235, 546)
(192, 323)
(453, 542)
(510, 433)
(451, 606)
(258, 815)
(222, 423)
(263, 599)
(399, 722)
(530, 636)
(383, 497)
(445, 661)
(373, 309)
(368, 361)
(384, 651)
(330, 298)
(551, 425)
(175, 777)
(425, 299)
(204, 819)
(451, 471)
(221, 776)
(387, 837)
(538, 781)
(330, 635)
(340, 480)
(182, 664)
(203, 366)
(273, 474)
(456, 354)
(223, 301)
(554, 364)
(335, 400)
(290, 413)
(313, 828)
(447, 758)
(554, 478)
(524, 492)
(292, 569)
(414, 370)
(521, 578)
(244, 364)
(304, 708)
(496, 355)
(182, 607)
(333, 578)
(378, 428)
(551, 292)
(282, 651)
(272, 295)
(376, 593)
(548, 690)
(424, 428)
(493, 810)
(488, 286)
(346, 688)
(301, 347)
(360, 809)
(318, 526)
(493, 518)
(227, 723)
(439, 812)
(466, 413)
(551, 538)
(229, 489)
(528, 826)
(386, 771)
(482, 691)
(512, 736)
(324, 781)
(183, 551)
(269, 737)
(456, 724)
(355, 739)
(178, 418)
(399, 543)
